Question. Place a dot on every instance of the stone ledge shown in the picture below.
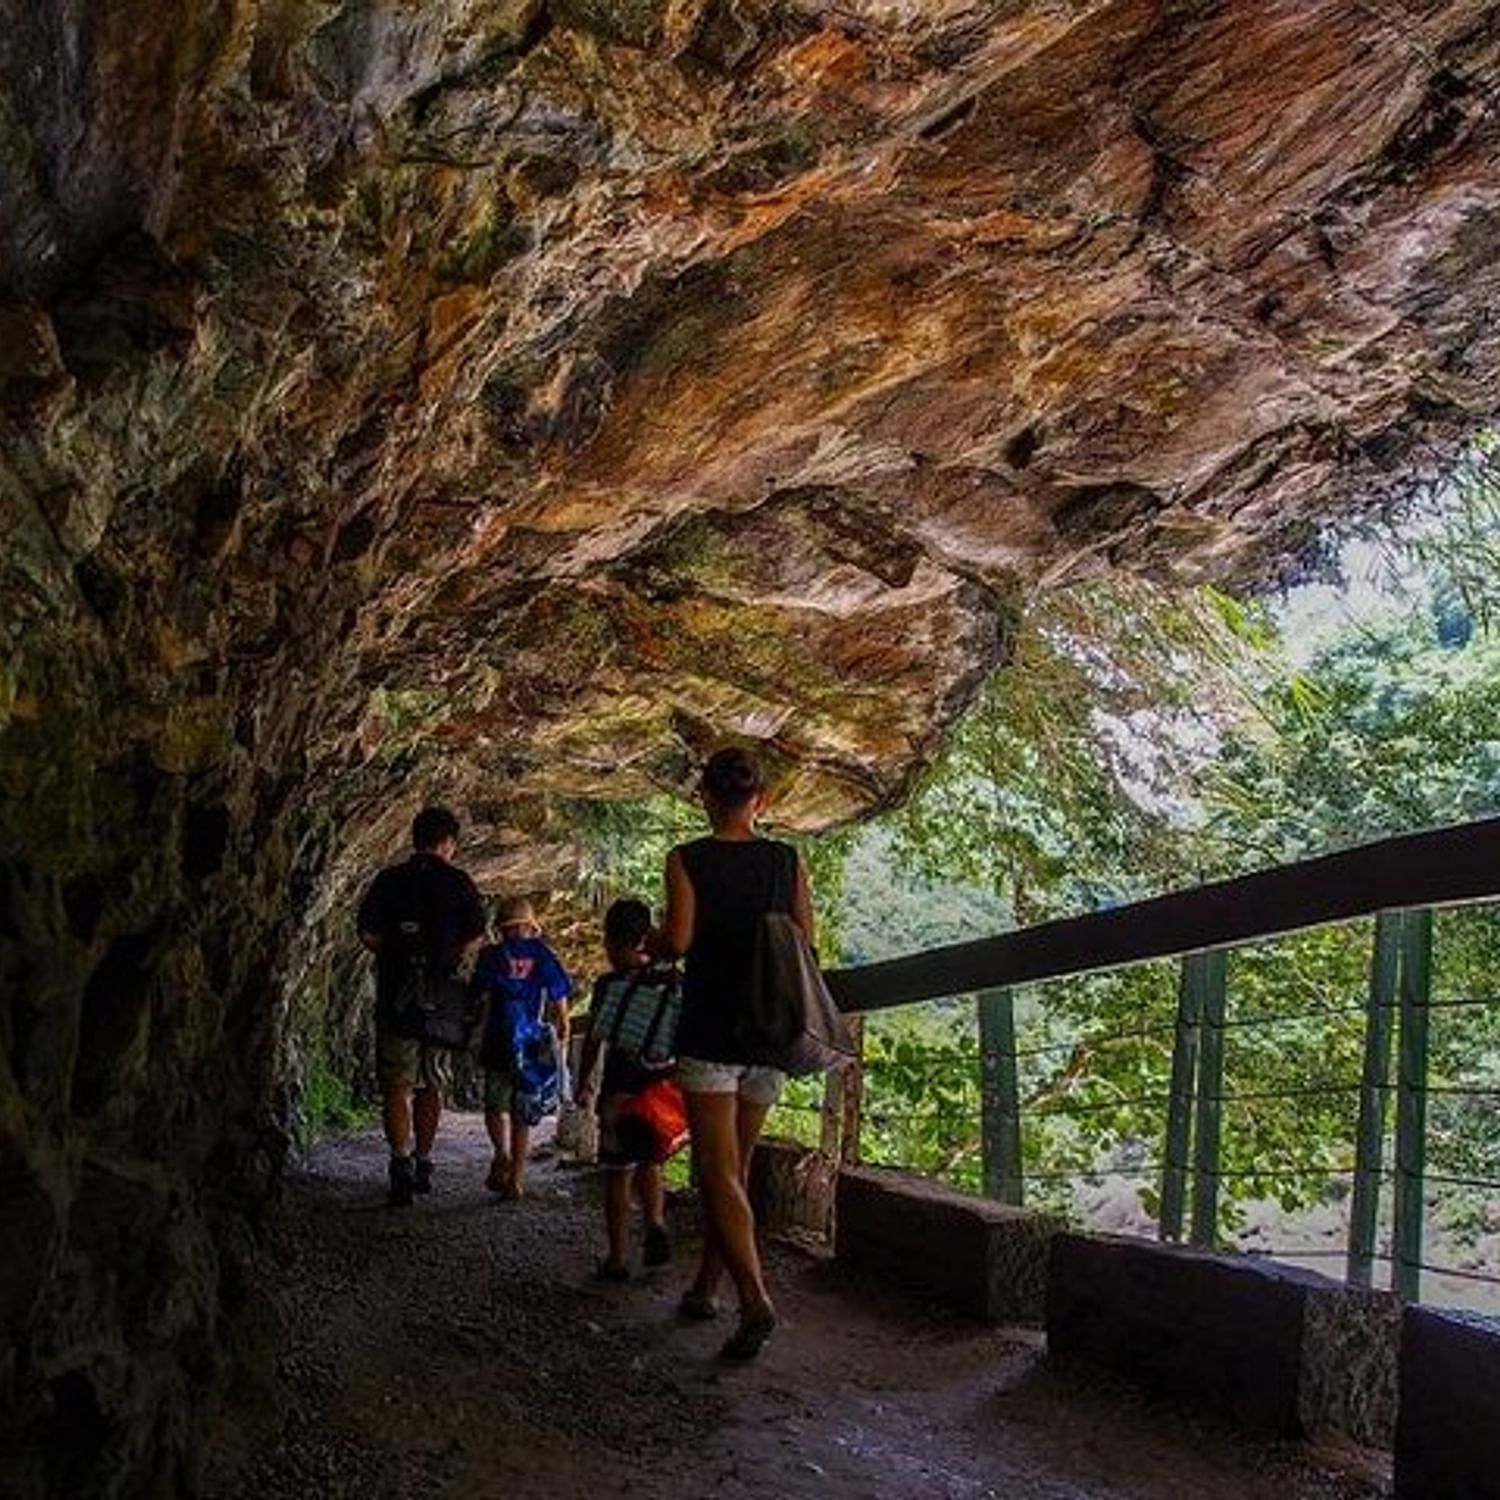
(985, 1259)
(1448, 1425)
(1220, 1332)
(1350, 1341)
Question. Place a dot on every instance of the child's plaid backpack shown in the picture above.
(638, 1013)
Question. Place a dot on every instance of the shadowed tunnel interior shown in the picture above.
(502, 401)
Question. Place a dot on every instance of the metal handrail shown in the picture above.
(1399, 882)
(1440, 867)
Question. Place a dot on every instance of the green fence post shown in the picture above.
(1000, 1097)
(1369, 1140)
(1214, 984)
(1415, 990)
(1174, 1171)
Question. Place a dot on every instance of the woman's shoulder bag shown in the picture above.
(790, 1020)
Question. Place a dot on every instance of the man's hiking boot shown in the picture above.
(657, 1249)
(422, 1181)
(403, 1182)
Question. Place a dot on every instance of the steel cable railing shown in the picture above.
(1205, 1079)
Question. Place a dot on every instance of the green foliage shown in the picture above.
(1387, 730)
(1463, 551)
(1389, 724)
(798, 1113)
(922, 1093)
(891, 906)
(1061, 786)
(327, 1105)
(627, 844)
(1464, 1072)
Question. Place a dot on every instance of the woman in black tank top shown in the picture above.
(718, 888)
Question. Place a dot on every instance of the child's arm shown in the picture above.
(593, 1045)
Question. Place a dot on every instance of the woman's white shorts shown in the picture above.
(755, 1085)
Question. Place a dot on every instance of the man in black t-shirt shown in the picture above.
(427, 900)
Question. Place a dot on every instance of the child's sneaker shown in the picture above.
(657, 1249)
(422, 1178)
(611, 1270)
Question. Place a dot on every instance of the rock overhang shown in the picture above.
(549, 390)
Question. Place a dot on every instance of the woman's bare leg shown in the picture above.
(749, 1120)
(705, 1285)
(717, 1127)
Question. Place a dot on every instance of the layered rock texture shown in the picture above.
(503, 400)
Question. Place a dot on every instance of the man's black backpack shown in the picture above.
(429, 1003)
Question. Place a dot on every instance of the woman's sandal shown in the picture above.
(697, 1308)
(747, 1340)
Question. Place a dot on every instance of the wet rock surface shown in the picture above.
(462, 1349)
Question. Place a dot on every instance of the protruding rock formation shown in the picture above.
(502, 400)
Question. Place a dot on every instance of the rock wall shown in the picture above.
(503, 400)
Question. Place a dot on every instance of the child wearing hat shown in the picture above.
(524, 982)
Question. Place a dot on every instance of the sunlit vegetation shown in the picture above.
(1140, 743)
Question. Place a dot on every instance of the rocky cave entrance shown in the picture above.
(500, 401)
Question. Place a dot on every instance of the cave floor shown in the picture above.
(461, 1349)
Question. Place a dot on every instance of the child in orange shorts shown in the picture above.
(626, 1075)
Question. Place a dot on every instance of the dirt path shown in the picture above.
(460, 1349)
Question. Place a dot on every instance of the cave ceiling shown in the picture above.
(506, 401)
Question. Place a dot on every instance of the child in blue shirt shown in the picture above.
(523, 981)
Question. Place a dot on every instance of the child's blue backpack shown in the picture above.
(535, 1076)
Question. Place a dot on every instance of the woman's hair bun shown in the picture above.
(732, 776)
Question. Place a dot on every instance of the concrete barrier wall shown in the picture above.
(1350, 1342)
(1224, 1335)
(1269, 1347)
(1448, 1429)
(982, 1258)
